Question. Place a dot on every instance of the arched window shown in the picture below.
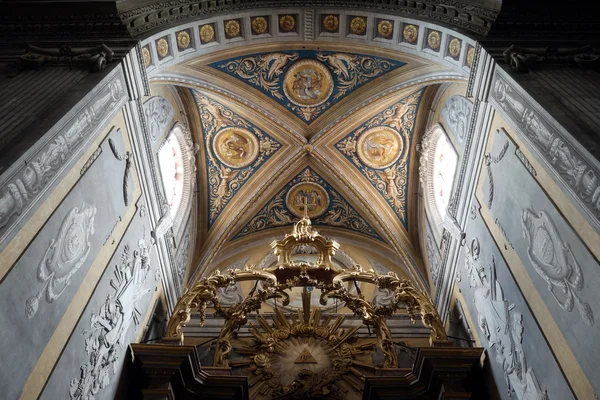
(170, 159)
(177, 169)
(437, 169)
(444, 167)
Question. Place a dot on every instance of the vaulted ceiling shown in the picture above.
(335, 126)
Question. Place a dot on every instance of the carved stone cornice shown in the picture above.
(75, 19)
(146, 18)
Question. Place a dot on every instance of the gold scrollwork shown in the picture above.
(416, 302)
(205, 291)
(292, 346)
(323, 343)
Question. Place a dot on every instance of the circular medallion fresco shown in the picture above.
(307, 193)
(379, 147)
(308, 83)
(236, 147)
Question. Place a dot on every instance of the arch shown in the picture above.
(177, 164)
(437, 169)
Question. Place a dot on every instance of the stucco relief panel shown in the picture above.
(42, 283)
(557, 262)
(182, 257)
(456, 113)
(569, 164)
(64, 256)
(159, 115)
(91, 363)
(521, 362)
(21, 188)
(433, 255)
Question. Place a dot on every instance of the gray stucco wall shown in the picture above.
(94, 356)
(42, 283)
(558, 263)
(520, 359)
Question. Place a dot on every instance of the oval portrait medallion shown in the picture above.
(307, 193)
(379, 147)
(236, 147)
(308, 83)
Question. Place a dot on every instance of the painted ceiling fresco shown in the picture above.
(380, 149)
(235, 149)
(325, 207)
(307, 82)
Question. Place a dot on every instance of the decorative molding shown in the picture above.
(281, 74)
(90, 160)
(474, 69)
(553, 260)
(182, 258)
(22, 189)
(159, 113)
(128, 160)
(462, 174)
(525, 162)
(568, 162)
(338, 213)
(474, 210)
(521, 59)
(152, 17)
(489, 160)
(109, 327)
(502, 327)
(309, 25)
(433, 258)
(395, 126)
(225, 180)
(503, 232)
(64, 256)
(457, 115)
(452, 226)
(93, 58)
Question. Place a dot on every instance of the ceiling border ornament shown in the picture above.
(147, 18)
(295, 79)
(225, 181)
(338, 213)
(390, 179)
